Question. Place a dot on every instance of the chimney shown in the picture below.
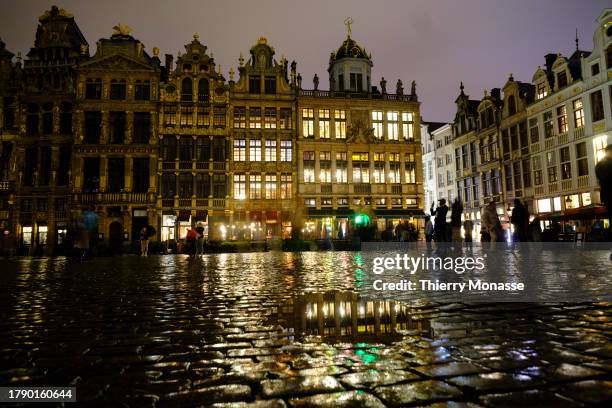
(169, 59)
(550, 59)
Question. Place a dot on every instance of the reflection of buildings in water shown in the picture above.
(344, 314)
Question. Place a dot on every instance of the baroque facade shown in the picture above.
(139, 142)
(538, 142)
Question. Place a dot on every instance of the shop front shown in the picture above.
(327, 224)
(398, 224)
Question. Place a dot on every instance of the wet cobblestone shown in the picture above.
(224, 330)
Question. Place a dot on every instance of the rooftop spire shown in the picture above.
(461, 87)
(576, 38)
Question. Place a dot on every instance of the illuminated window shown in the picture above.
(285, 151)
(239, 186)
(556, 203)
(541, 90)
(341, 168)
(340, 123)
(203, 116)
(599, 146)
(307, 122)
(392, 125)
(394, 168)
(586, 199)
(255, 118)
(325, 167)
(377, 123)
(42, 234)
(170, 115)
(409, 168)
(285, 186)
(581, 159)
(379, 168)
(310, 202)
(544, 205)
(186, 115)
(572, 201)
(578, 113)
(309, 167)
(270, 118)
(562, 119)
(240, 117)
(411, 202)
(254, 150)
(270, 150)
(380, 201)
(407, 125)
(324, 123)
(26, 234)
(219, 117)
(270, 186)
(361, 167)
(255, 186)
(239, 150)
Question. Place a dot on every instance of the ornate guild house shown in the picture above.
(115, 132)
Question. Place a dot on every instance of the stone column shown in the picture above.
(129, 126)
(128, 173)
(103, 173)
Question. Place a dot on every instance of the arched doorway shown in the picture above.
(115, 237)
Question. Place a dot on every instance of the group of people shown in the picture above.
(440, 230)
(194, 241)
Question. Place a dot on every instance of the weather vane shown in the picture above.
(348, 23)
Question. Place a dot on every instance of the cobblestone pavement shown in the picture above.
(245, 330)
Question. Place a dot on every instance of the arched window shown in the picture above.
(203, 90)
(511, 105)
(186, 90)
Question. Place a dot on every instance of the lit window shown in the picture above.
(557, 203)
(340, 123)
(170, 115)
(254, 150)
(341, 168)
(411, 202)
(310, 202)
(562, 119)
(239, 117)
(285, 151)
(309, 167)
(285, 186)
(42, 234)
(186, 116)
(240, 186)
(548, 124)
(255, 186)
(578, 113)
(409, 168)
(599, 147)
(407, 125)
(379, 168)
(377, 123)
(307, 122)
(270, 186)
(203, 116)
(270, 150)
(392, 125)
(324, 167)
(541, 90)
(255, 118)
(394, 168)
(324, 123)
(239, 150)
(270, 118)
(361, 167)
(572, 201)
(26, 234)
(544, 205)
(586, 199)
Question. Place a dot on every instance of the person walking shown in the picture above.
(468, 226)
(440, 220)
(603, 171)
(457, 210)
(490, 221)
(520, 220)
(192, 237)
(200, 241)
(429, 231)
(144, 241)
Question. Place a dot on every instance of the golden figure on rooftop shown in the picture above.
(122, 29)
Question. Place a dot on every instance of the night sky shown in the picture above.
(437, 43)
